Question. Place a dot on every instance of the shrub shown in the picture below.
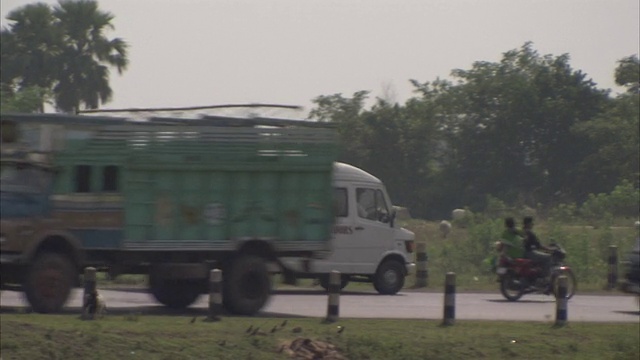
(595, 208)
(564, 213)
(624, 200)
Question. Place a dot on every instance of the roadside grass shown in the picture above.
(465, 248)
(35, 336)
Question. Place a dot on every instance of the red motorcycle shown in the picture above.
(519, 276)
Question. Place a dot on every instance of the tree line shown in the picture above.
(528, 129)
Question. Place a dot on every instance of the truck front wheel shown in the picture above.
(389, 277)
(49, 282)
(247, 285)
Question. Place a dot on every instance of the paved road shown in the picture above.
(405, 305)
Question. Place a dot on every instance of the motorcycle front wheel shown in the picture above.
(512, 287)
(571, 282)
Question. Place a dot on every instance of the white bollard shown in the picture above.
(333, 307)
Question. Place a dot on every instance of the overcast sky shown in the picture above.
(206, 52)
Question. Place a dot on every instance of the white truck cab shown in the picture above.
(367, 246)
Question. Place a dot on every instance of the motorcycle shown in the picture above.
(518, 276)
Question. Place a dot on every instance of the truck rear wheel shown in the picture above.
(175, 293)
(389, 277)
(49, 282)
(247, 285)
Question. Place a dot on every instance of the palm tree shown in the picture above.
(64, 50)
(87, 55)
(29, 49)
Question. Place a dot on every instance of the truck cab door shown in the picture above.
(362, 230)
(373, 233)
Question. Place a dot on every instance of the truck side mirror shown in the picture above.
(392, 218)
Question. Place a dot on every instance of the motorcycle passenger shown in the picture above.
(532, 248)
(512, 239)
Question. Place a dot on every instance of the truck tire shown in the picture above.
(175, 293)
(247, 285)
(49, 281)
(389, 277)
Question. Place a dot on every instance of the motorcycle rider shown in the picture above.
(532, 247)
(511, 239)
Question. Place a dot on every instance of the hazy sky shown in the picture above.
(205, 52)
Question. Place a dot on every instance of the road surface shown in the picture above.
(405, 305)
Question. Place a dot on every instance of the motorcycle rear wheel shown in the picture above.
(512, 287)
(571, 282)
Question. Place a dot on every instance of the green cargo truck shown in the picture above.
(166, 197)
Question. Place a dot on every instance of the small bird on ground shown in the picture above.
(340, 329)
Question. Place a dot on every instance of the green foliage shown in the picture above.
(527, 129)
(628, 73)
(511, 127)
(596, 208)
(623, 201)
(615, 139)
(29, 100)
(30, 45)
(482, 236)
(496, 208)
(63, 49)
(565, 213)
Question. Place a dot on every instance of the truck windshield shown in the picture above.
(24, 178)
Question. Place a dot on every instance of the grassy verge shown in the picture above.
(465, 248)
(32, 336)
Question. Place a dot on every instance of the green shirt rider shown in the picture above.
(512, 240)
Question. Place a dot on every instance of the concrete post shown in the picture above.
(88, 312)
(449, 299)
(215, 295)
(422, 273)
(612, 277)
(561, 301)
(333, 307)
